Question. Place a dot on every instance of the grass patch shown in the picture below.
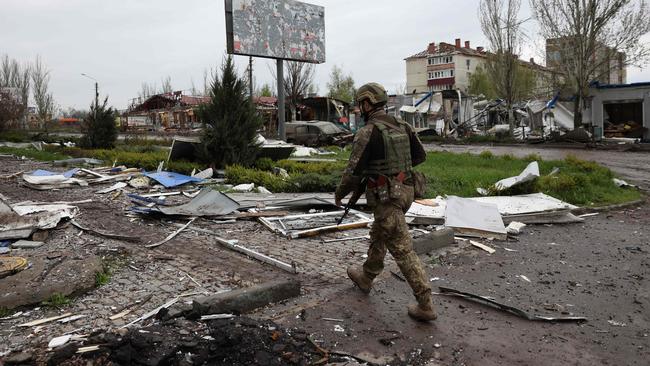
(578, 182)
(102, 278)
(4, 312)
(45, 155)
(57, 300)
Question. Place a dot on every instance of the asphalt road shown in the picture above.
(634, 167)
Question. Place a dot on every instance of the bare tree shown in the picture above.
(502, 28)
(586, 36)
(298, 76)
(45, 106)
(147, 90)
(166, 86)
(15, 85)
(206, 82)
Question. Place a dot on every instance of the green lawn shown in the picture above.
(578, 182)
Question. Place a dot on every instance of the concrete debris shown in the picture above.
(244, 187)
(263, 190)
(204, 174)
(246, 299)
(61, 340)
(510, 309)
(434, 240)
(140, 182)
(514, 228)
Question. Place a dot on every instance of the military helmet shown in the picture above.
(373, 92)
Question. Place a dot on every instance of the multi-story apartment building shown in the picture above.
(610, 64)
(445, 66)
(442, 66)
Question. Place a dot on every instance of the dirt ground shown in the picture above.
(599, 269)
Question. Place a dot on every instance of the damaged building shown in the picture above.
(621, 110)
(164, 111)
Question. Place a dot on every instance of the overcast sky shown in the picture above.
(125, 43)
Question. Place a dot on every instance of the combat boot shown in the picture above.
(358, 276)
(423, 311)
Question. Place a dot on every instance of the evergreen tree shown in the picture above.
(230, 121)
(100, 131)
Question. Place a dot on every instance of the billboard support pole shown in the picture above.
(281, 116)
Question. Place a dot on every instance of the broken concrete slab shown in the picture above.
(45, 278)
(433, 240)
(26, 244)
(246, 299)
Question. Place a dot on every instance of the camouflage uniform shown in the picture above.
(389, 231)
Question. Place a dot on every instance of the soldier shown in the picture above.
(383, 155)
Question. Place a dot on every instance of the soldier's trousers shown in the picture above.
(390, 233)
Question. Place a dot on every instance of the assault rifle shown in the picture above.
(353, 199)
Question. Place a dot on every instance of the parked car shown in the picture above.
(315, 133)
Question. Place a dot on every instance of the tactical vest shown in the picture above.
(397, 151)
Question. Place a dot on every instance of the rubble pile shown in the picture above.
(235, 341)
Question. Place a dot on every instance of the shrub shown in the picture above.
(237, 174)
(264, 164)
(312, 182)
(486, 154)
(230, 122)
(99, 127)
(533, 157)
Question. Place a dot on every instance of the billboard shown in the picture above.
(280, 29)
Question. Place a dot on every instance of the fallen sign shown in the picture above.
(306, 225)
(510, 309)
(470, 218)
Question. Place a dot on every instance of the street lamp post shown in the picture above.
(96, 92)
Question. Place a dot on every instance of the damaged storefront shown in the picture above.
(621, 110)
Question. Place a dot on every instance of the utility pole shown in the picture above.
(96, 93)
(96, 98)
(250, 77)
(280, 82)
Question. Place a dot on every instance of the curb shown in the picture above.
(584, 210)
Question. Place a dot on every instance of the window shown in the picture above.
(468, 62)
(439, 60)
(440, 74)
